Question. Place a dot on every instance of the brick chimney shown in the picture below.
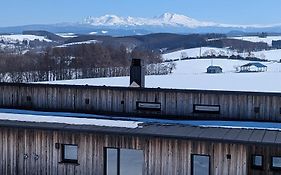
(137, 74)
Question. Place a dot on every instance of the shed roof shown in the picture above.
(149, 127)
(214, 67)
(259, 65)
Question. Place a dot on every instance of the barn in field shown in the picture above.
(252, 67)
(214, 69)
(81, 130)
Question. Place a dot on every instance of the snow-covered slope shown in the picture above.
(67, 35)
(271, 55)
(79, 43)
(21, 38)
(190, 74)
(267, 40)
(197, 52)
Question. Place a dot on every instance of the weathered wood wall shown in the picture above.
(175, 103)
(267, 153)
(161, 156)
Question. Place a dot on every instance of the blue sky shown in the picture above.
(19, 12)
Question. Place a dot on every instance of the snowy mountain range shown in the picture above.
(124, 26)
(164, 20)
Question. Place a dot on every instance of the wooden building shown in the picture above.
(161, 103)
(252, 67)
(33, 144)
(214, 69)
(30, 147)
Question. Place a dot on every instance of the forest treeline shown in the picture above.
(77, 61)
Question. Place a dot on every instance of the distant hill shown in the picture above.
(168, 42)
(46, 34)
(152, 41)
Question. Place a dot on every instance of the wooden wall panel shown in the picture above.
(162, 156)
(177, 103)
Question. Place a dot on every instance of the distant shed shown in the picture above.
(252, 67)
(214, 69)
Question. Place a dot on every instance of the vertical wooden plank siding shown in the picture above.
(175, 103)
(161, 156)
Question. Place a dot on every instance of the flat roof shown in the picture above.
(43, 85)
(219, 131)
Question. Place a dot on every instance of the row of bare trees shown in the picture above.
(81, 61)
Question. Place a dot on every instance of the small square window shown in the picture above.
(228, 156)
(257, 110)
(257, 161)
(70, 153)
(276, 163)
(28, 98)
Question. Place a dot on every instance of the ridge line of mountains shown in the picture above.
(124, 26)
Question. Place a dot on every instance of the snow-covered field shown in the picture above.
(78, 43)
(191, 74)
(271, 55)
(267, 40)
(21, 38)
(67, 35)
(197, 52)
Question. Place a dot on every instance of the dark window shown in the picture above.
(257, 110)
(124, 161)
(87, 101)
(210, 109)
(228, 156)
(276, 163)
(280, 110)
(69, 153)
(257, 161)
(153, 106)
(28, 98)
(200, 164)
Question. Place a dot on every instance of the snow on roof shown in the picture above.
(254, 64)
(124, 122)
(65, 118)
(214, 67)
(226, 131)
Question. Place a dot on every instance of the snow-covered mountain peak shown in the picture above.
(166, 19)
(105, 20)
(182, 20)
